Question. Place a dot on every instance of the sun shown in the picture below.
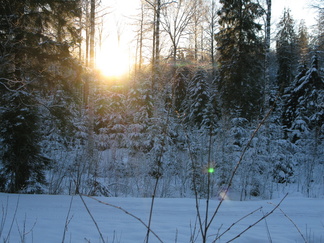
(113, 62)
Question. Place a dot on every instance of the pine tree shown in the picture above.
(303, 44)
(240, 59)
(140, 105)
(286, 48)
(318, 36)
(303, 119)
(110, 118)
(180, 87)
(36, 66)
(303, 106)
(22, 160)
(198, 99)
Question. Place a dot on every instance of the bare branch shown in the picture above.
(128, 213)
(152, 5)
(23, 233)
(94, 221)
(12, 81)
(233, 224)
(13, 219)
(164, 4)
(240, 161)
(67, 220)
(258, 221)
(195, 185)
(293, 224)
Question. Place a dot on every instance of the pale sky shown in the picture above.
(118, 49)
(300, 9)
(123, 10)
(120, 20)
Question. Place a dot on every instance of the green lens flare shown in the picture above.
(211, 170)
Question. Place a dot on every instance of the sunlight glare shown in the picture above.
(113, 62)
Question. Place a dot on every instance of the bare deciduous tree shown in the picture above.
(211, 19)
(176, 19)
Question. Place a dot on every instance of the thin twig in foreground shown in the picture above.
(159, 164)
(151, 208)
(4, 216)
(128, 213)
(238, 165)
(13, 219)
(94, 221)
(294, 225)
(268, 231)
(67, 220)
(258, 221)
(233, 224)
(195, 185)
(23, 233)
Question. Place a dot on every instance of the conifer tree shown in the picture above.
(198, 99)
(303, 43)
(318, 41)
(303, 106)
(140, 117)
(286, 48)
(35, 41)
(22, 160)
(211, 20)
(240, 59)
(180, 86)
(303, 119)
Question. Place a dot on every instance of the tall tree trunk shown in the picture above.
(267, 56)
(87, 32)
(154, 35)
(93, 162)
(80, 39)
(92, 32)
(196, 38)
(157, 34)
(175, 50)
(87, 18)
(212, 36)
(157, 44)
(141, 40)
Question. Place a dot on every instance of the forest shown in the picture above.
(218, 98)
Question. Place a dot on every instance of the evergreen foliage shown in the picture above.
(303, 44)
(303, 119)
(111, 118)
(22, 160)
(287, 52)
(186, 132)
(241, 52)
(318, 38)
(36, 64)
(303, 109)
(198, 99)
(180, 87)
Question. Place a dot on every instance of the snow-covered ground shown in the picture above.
(42, 219)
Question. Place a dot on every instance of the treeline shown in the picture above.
(184, 116)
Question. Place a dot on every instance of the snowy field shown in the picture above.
(42, 219)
